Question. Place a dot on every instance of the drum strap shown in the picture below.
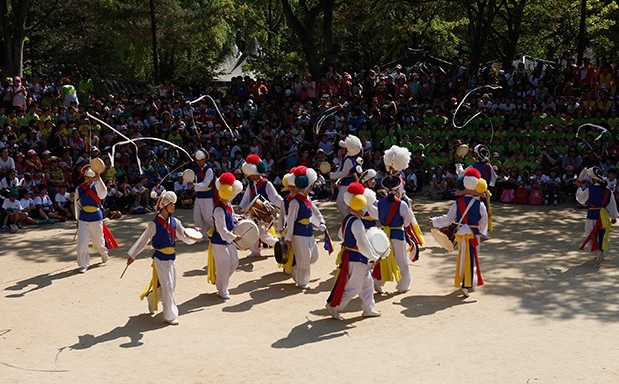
(460, 205)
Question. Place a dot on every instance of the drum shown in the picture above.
(325, 167)
(248, 230)
(462, 150)
(262, 211)
(281, 251)
(189, 176)
(445, 237)
(379, 242)
(97, 165)
(193, 234)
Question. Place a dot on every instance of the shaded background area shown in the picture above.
(546, 314)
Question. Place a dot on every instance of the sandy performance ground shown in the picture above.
(545, 315)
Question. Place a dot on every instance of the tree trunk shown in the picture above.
(13, 21)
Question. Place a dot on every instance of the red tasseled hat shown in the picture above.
(227, 178)
(472, 172)
(253, 159)
(355, 189)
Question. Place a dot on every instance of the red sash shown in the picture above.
(161, 221)
(90, 192)
(303, 199)
(257, 186)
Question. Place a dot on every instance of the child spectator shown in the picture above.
(551, 186)
(45, 206)
(63, 203)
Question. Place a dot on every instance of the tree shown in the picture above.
(302, 20)
(14, 18)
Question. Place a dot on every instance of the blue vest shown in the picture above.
(598, 198)
(200, 178)
(165, 236)
(87, 200)
(305, 212)
(350, 242)
(484, 170)
(384, 206)
(352, 174)
(216, 239)
(472, 216)
(262, 189)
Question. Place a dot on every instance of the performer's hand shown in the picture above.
(198, 229)
(289, 243)
(429, 222)
(578, 183)
(613, 221)
(238, 238)
(322, 227)
(129, 260)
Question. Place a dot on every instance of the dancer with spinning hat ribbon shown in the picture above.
(162, 232)
(90, 225)
(602, 212)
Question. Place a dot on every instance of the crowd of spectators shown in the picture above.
(529, 121)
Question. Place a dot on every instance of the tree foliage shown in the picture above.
(292, 35)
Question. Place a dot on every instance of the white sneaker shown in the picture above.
(104, 259)
(333, 312)
(465, 292)
(371, 313)
(403, 290)
(225, 296)
(173, 322)
(305, 286)
(599, 258)
(255, 254)
(82, 270)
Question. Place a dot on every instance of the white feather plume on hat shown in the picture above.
(352, 144)
(397, 158)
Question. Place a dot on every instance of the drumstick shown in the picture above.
(124, 270)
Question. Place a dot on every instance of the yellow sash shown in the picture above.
(288, 265)
(152, 286)
(167, 250)
(211, 275)
(463, 260)
(90, 208)
(305, 221)
(388, 266)
(606, 224)
(489, 206)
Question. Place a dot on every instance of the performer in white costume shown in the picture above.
(205, 193)
(349, 169)
(302, 215)
(90, 227)
(162, 232)
(255, 168)
(222, 254)
(357, 257)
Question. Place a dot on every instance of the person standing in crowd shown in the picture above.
(162, 232)
(222, 255)
(68, 92)
(471, 218)
(348, 171)
(205, 193)
(602, 212)
(302, 215)
(254, 169)
(357, 257)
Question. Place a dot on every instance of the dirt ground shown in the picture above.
(545, 315)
